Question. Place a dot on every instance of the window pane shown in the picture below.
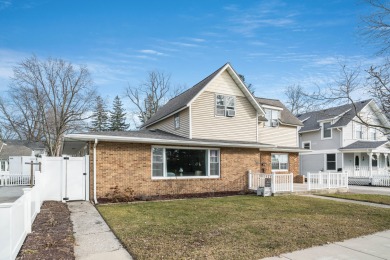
(230, 102)
(275, 114)
(331, 165)
(279, 161)
(220, 100)
(331, 157)
(306, 146)
(158, 163)
(331, 161)
(327, 130)
(268, 116)
(214, 169)
(183, 162)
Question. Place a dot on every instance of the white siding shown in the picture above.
(206, 125)
(167, 124)
(281, 135)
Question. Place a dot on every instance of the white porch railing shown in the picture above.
(279, 182)
(364, 171)
(14, 180)
(16, 219)
(327, 180)
(378, 180)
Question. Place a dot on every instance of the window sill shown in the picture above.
(185, 177)
(286, 170)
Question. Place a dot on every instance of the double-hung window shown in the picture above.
(178, 162)
(326, 130)
(373, 134)
(358, 131)
(272, 117)
(279, 161)
(306, 145)
(225, 105)
(331, 161)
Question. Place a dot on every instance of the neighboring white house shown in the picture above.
(17, 152)
(340, 141)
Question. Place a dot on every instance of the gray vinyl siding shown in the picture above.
(205, 125)
(168, 125)
(311, 163)
(318, 144)
(281, 135)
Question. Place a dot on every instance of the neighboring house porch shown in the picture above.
(366, 158)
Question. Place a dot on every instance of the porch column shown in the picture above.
(385, 155)
(370, 163)
(378, 163)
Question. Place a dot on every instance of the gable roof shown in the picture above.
(18, 148)
(345, 112)
(184, 99)
(364, 145)
(286, 117)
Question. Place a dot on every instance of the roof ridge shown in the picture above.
(349, 104)
(207, 77)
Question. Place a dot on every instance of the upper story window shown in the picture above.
(176, 121)
(326, 130)
(358, 131)
(272, 117)
(225, 105)
(372, 134)
(306, 145)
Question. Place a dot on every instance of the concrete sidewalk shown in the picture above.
(350, 201)
(94, 239)
(376, 246)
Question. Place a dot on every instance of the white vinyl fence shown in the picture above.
(16, 219)
(279, 182)
(383, 180)
(327, 180)
(14, 180)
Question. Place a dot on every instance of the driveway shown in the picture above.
(10, 194)
(369, 190)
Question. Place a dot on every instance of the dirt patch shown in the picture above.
(52, 234)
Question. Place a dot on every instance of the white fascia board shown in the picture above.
(310, 131)
(165, 117)
(272, 107)
(86, 138)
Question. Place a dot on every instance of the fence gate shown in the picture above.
(75, 171)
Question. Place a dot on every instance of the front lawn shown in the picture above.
(239, 227)
(374, 198)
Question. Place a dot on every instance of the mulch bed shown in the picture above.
(52, 234)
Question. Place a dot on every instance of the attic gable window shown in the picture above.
(272, 117)
(176, 121)
(225, 105)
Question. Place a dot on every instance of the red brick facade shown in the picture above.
(128, 165)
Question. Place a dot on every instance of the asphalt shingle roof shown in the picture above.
(159, 134)
(181, 100)
(364, 145)
(312, 123)
(286, 116)
(18, 148)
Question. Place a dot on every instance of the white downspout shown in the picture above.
(94, 170)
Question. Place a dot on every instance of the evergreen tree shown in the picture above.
(118, 116)
(99, 116)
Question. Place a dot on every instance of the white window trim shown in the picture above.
(326, 162)
(288, 163)
(306, 142)
(270, 121)
(165, 177)
(322, 131)
(224, 97)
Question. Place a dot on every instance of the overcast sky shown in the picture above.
(273, 43)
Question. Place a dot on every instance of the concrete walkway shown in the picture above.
(376, 246)
(351, 201)
(369, 190)
(94, 239)
(11, 194)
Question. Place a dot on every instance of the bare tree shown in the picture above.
(377, 25)
(379, 79)
(149, 96)
(298, 101)
(47, 99)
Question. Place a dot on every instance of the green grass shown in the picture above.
(374, 198)
(239, 227)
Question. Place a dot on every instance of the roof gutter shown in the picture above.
(94, 171)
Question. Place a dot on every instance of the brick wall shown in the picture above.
(128, 165)
(293, 163)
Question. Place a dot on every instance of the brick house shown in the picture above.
(202, 141)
